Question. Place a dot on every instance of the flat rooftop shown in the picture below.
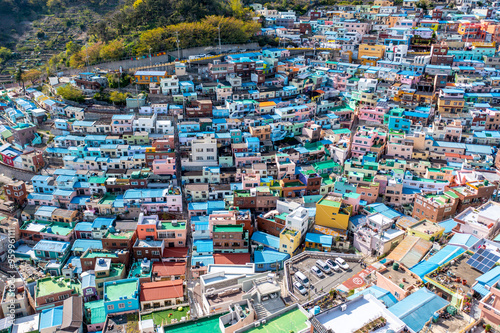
(292, 321)
(452, 275)
(400, 277)
(116, 289)
(48, 286)
(357, 314)
(427, 227)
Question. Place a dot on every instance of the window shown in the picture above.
(139, 253)
(111, 307)
(121, 305)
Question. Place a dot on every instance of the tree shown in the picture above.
(32, 75)
(112, 50)
(71, 93)
(5, 54)
(19, 77)
(72, 48)
(118, 97)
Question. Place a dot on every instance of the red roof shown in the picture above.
(175, 252)
(169, 268)
(231, 258)
(154, 291)
(358, 280)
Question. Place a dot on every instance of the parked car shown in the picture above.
(317, 272)
(324, 267)
(300, 287)
(333, 265)
(341, 262)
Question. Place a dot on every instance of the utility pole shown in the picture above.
(178, 49)
(220, 47)
(150, 59)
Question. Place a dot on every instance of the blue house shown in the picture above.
(267, 259)
(318, 242)
(486, 281)
(418, 308)
(121, 296)
(266, 240)
(51, 318)
(47, 249)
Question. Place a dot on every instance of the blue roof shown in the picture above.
(448, 225)
(83, 226)
(88, 280)
(80, 200)
(202, 260)
(269, 256)
(488, 279)
(380, 293)
(51, 246)
(101, 222)
(83, 245)
(446, 254)
(325, 240)
(266, 239)
(204, 245)
(465, 240)
(51, 318)
(418, 308)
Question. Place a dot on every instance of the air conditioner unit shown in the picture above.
(257, 324)
(343, 307)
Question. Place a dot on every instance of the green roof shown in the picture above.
(171, 226)
(451, 194)
(228, 228)
(329, 203)
(98, 180)
(97, 312)
(116, 289)
(51, 285)
(292, 321)
(98, 254)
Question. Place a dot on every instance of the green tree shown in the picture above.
(71, 93)
(113, 50)
(5, 54)
(117, 97)
(19, 77)
(72, 48)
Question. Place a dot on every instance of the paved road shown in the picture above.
(9, 173)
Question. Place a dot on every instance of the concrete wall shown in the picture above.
(185, 53)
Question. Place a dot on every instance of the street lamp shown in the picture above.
(150, 59)
(220, 48)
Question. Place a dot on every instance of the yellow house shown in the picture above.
(289, 240)
(427, 230)
(331, 212)
(368, 52)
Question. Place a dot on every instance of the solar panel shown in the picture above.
(483, 260)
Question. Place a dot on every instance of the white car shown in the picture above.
(341, 262)
(300, 288)
(317, 271)
(333, 265)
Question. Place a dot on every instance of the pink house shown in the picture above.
(400, 147)
(228, 218)
(250, 181)
(490, 305)
(373, 114)
(365, 138)
(359, 27)
(247, 159)
(368, 193)
(286, 167)
(340, 80)
(164, 166)
(121, 123)
(408, 77)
